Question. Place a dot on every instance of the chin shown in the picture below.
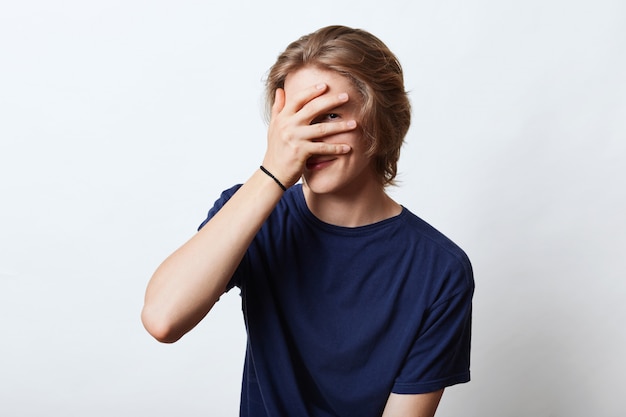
(328, 186)
(320, 186)
(339, 181)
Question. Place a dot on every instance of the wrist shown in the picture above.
(276, 180)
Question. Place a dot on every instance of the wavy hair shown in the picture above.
(375, 73)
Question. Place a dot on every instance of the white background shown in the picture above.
(122, 121)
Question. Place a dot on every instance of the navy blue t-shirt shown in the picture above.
(338, 318)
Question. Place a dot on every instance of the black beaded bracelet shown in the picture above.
(280, 184)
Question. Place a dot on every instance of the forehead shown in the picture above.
(307, 77)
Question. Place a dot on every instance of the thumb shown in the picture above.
(279, 102)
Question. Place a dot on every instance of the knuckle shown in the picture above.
(323, 147)
(322, 129)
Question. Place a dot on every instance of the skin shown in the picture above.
(313, 134)
(339, 189)
(412, 405)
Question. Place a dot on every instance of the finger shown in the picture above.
(323, 148)
(299, 99)
(321, 105)
(279, 102)
(322, 130)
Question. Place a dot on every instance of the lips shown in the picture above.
(318, 162)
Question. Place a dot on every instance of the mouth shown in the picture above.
(318, 162)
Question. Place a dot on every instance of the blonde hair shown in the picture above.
(376, 74)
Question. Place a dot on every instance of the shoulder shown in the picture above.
(438, 251)
(432, 237)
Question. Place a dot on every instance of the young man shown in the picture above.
(353, 305)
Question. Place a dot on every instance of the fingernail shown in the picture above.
(351, 124)
(343, 96)
(345, 148)
(320, 86)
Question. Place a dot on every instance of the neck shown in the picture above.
(347, 210)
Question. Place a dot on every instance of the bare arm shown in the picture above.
(412, 405)
(187, 284)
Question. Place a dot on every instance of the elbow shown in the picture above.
(159, 327)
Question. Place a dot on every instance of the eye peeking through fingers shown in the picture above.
(325, 118)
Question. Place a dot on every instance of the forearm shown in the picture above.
(413, 405)
(187, 284)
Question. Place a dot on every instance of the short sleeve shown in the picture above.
(440, 355)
